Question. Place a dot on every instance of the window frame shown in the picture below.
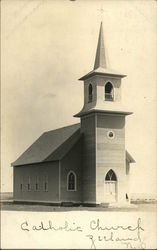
(108, 134)
(37, 183)
(45, 182)
(75, 181)
(111, 94)
(110, 176)
(21, 187)
(29, 184)
(90, 95)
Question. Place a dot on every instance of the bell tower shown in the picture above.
(103, 127)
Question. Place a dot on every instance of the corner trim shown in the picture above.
(59, 181)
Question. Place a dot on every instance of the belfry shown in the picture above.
(106, 161)
(85, 163)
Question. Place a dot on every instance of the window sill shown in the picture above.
(108, 100)
(71, 190)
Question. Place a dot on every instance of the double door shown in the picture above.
(110, 191)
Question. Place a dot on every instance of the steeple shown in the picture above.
(100, 65)
(100, 59)
(102, 86)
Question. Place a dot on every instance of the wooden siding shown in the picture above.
(101, 81)
(72, 162)
(21, 175)
(88, 128)
(110, 153)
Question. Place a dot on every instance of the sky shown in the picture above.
(48, 45)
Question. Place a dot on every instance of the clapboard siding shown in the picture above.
(110, 153)
(72, 162)
(23, 174)
(88, 128)
(108, 121)
(107, 164)
(107, 146)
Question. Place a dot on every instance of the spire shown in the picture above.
(100, 59)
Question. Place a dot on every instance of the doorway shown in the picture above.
(110, 187)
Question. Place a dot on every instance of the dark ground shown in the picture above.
(8, 205)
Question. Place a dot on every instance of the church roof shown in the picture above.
(116, 111)
(51, 145)
(54, 145)
(100, 65)
(102, 71)
(129, 158)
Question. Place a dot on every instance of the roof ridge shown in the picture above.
(61, 128)
(47, 143)
(73, 139)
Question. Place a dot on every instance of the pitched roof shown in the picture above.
(102, 71)
(50, 143)
(54, 145)
(116, 111)
(129, 158)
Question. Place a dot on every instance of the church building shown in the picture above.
(85, 163)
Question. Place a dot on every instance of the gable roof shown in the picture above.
(65, 147)
(48, 143)
(54, 145)
(103, 72)
(129, 158)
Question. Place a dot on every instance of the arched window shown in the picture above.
(71, 181)
(108, 92)
(90, 93)
(110, 176)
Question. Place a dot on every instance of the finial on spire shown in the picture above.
(100, 59)
(101, 12)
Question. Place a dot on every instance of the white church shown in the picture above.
(85, 163)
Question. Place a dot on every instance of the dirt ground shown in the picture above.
(7, 204)
(12, 215)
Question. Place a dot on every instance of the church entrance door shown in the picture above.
(110, 187)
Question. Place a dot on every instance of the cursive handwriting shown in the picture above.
(96, 231)
(50, 226)
(95, 225)
(111, 234)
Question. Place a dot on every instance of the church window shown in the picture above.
(21, 187)
(46, 183)
(29, 184)
(90, 93)
(37, 183)
(110, 134)
(110, 176)
(36, 186)
(127, 198)
(71, 181)
(46, 186)
(108, 92)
